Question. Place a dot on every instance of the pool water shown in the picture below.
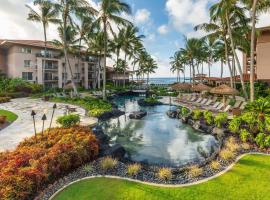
(157, 139)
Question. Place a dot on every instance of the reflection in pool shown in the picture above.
(156, 139)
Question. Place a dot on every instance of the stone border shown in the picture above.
(163, 185)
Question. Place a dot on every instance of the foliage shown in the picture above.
(260, 140)
(184, 111)
(195, 171)
(215, 165)
(235, 124)
(221, 119)
(151, 100)
(134, 169)
(33, 165)
(107, 163)
(208, 116)
(226, 154)
(250, 120)
(245, 135)
(259, 108)
(165, 174)
(68, 121)
(96, 107)
(245, 146)
(197, 114)
(88, 168)
(231, 144)
(11, 117)
(4, 99)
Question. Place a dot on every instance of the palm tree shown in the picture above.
(135, 53)
(109, 13)
(229, 11)
(147, 65)
(255, 7)
(177, 64)
(67, 10)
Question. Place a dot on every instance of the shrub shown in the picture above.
(108, 163)
(97, 112)
(165, 174)
(260, 140)
(34, 165)
(184, 111)
(208, 116)
(68, 121)
(232, 145)
(88, 168)
(235, 124)
(221, 119)
(226, 154)
(267, 141)
(195, 171)
(151, 100)
(250, 120)
(197, 114)
(215, 165)
(245, 146)
(245, 135)
(4, 99)
(133, 169)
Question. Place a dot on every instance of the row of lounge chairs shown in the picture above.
(210, 103)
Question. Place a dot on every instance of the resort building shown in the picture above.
(26, 59)
(115, 76)
(262, 56)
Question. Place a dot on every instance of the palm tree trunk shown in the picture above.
(236, 57)
(193, 73)
(228, 61)
(105, 56)
(221, 70)
(190, 73)
(125, 70)
(252, 50)
(99, 70)
(43, 64)
(209, 69)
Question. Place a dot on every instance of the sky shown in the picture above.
(165, 23)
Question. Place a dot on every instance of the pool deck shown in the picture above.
(23, 127)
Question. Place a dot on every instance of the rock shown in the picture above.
(172, 114)
(190, 122)
(219, 132)
(201, 126)
(112, 114)
(185, 119)
(116, 151)
(100, 135)
(138, 115)
(143, 103)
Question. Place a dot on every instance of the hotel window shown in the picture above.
(27, 63)
(27, 76)
(26, 50)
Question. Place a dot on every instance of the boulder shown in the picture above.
(201, 126)
(112, 114)
(172, 114)
(116, 151)
(100, 135)
(143, 103)
(138, 115)
(220, 133)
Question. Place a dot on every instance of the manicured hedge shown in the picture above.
(32, 166)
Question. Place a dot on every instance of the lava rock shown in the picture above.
(100, 135)
(138, 115)
(190, 122)
(112, 114)
(172, 114)
(201, 126)
(116, 151)
(219, 132)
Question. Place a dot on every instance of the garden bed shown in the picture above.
(6, 118)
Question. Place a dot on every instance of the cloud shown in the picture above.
(264, 20)
(142, 16)
(163, 29)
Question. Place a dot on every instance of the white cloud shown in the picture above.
(185, 14)
(163, 30)
(142, 16)
(264, 20)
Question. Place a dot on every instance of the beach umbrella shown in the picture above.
(181, 86)
(201, 87)
(224, 90)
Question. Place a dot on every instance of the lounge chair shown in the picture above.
(208, 103)
(237, 104)
(199, 100)
(242, 107)
(218, 108)
(227, 109)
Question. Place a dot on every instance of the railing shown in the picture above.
(48, 55)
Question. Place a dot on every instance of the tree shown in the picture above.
(177, 64)
(109, 13)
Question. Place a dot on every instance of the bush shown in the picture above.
(195, 171)
(108, 163)
(260, 140)
(232, 145)
(245, 146)
(165, 174)
(215, 165)
(235, 124)
(197, 114)
(133, 169)
(208, 116)
(226, 154)
(184, 111)
(221, 119)
(245, 135)
(34, 165)
(4, 99)
(151, 100)
(68, 121)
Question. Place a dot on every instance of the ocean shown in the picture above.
(165, 80)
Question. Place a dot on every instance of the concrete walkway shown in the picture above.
(23, 127)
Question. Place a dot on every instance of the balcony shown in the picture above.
(51, 79)
(90, 59)
(48, 55)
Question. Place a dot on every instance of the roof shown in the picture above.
(225, 90)
(34, 43)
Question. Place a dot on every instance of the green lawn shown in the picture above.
(248, 180)
(10, 115)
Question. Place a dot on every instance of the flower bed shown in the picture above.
(34, 165)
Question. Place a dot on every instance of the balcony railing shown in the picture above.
(48, 55)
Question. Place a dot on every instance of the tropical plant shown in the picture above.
(110, 13)
(259, 108)
(235, 124)
(226, 154)
(68, 121)
(195, 171)
(220, 119)
(185, 111)
(215, 165)
(260, 140)
(208, 116)
(165, 174)
(197, 114)
(245, 135)
(133, 169)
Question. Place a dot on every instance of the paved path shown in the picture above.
(22, 128)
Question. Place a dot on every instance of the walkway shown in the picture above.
(22, 128)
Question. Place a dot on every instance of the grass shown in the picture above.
(249, 179)
(11, 117)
